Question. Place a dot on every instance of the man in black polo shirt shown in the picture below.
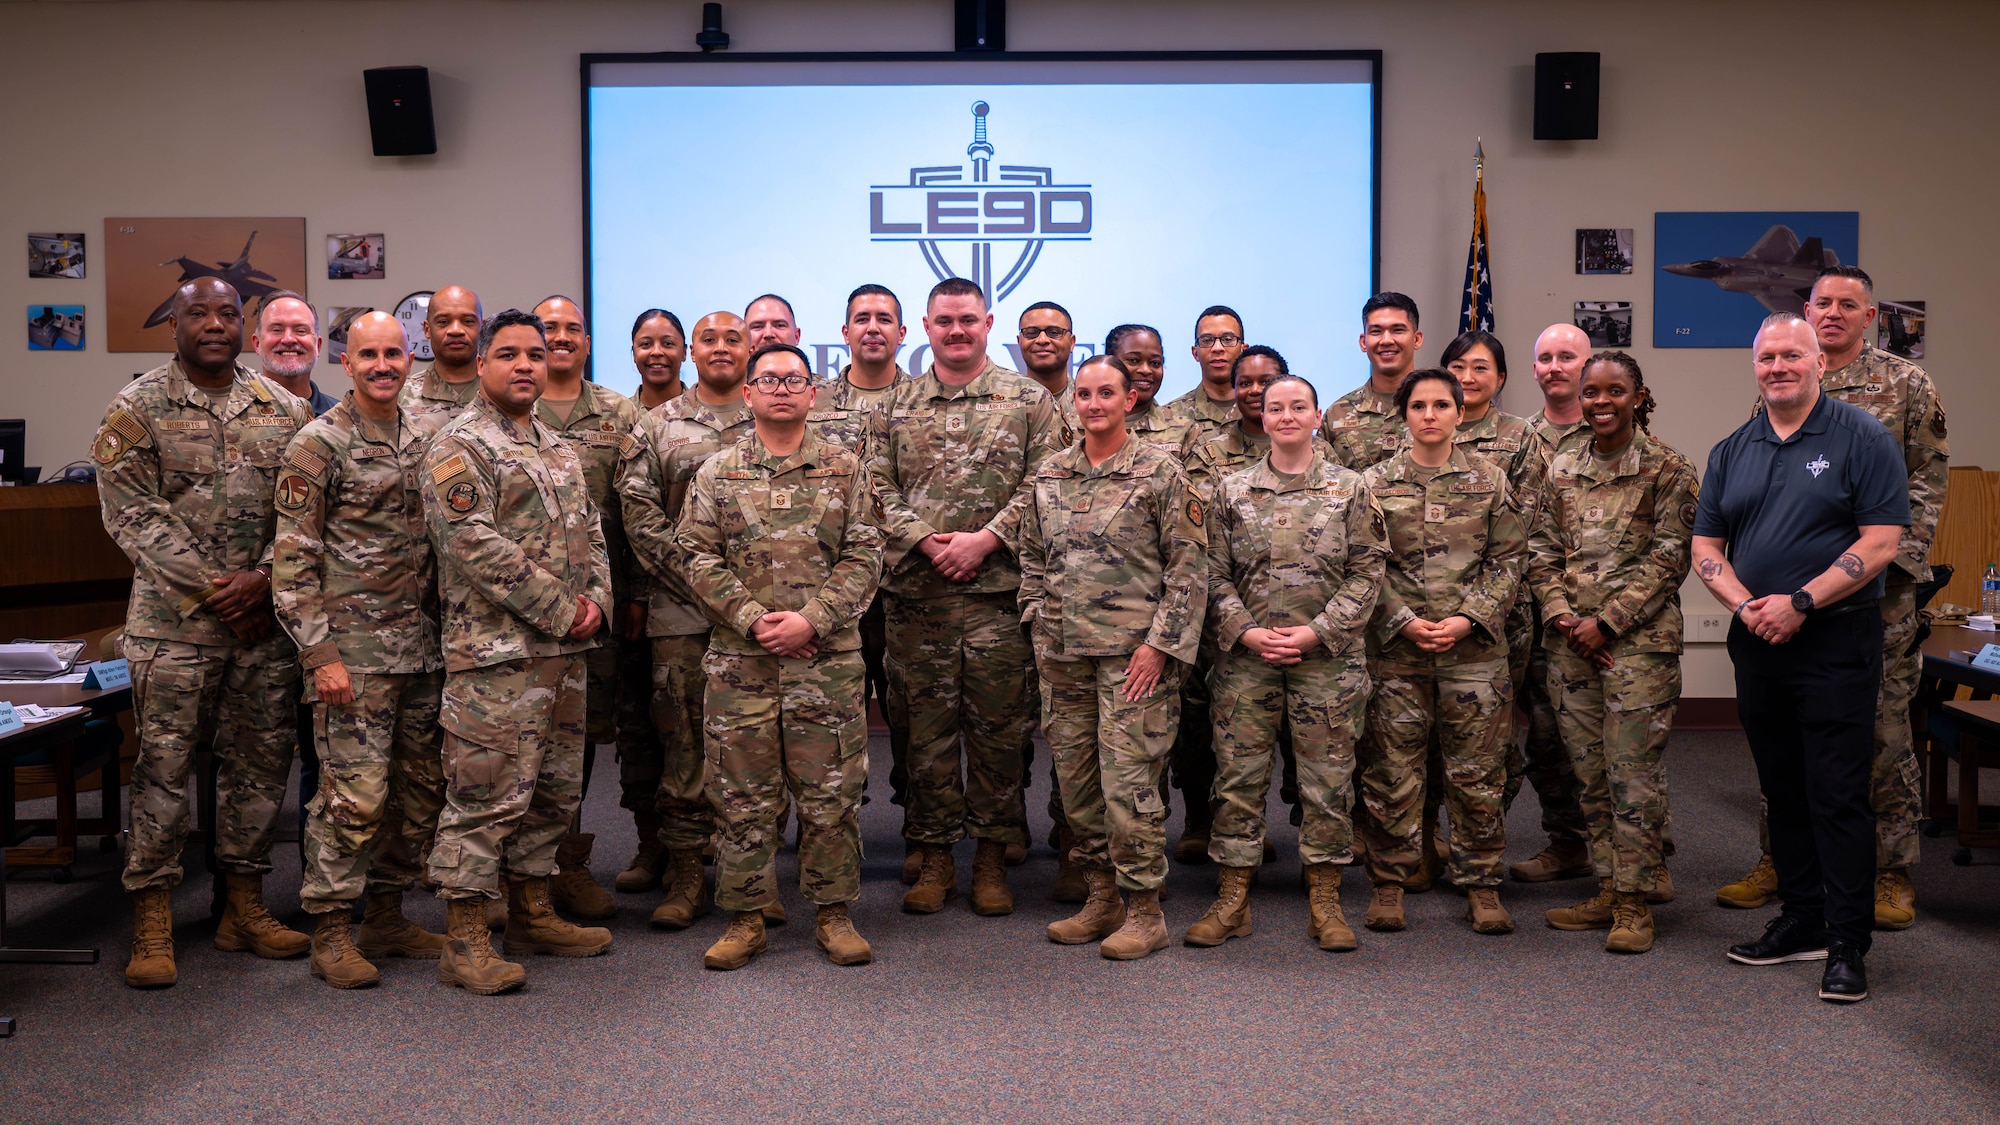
(1801, 511)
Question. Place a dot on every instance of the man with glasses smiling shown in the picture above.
(1047, 337)
(1218, 340)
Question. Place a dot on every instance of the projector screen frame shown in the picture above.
(1373, 57)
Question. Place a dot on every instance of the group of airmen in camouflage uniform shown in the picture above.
(474, 572)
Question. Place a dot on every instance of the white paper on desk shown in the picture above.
(32, 714)
(72, 678)
(30, 657)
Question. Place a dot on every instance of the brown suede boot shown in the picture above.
(937, 881)
(533, 926)
(1753, 890)
(649, 863)
(572, 890)
(1070, 885)
(385, 932)
(743, 940)
(1590, 914)
(334, 958)
(687, 892)
(774, 913)
(1385, 910)
(1144, 931)
(1483, 910)
(1229, 916)
(1663, 888)
(469, 961)
(1631, 925)
(1562, 859)
(990, 897)
(1017, 854)
(152, 963)
(834, 933)
(1328, 926)
(247, 926)
(1430, 865)
(913, 860)
(1103, 911)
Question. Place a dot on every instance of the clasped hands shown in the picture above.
(1586, 638)
(1772, 618)
(958, 554)
(1437, 636)
(1281, 646)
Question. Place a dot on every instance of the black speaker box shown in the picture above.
(1566, 96)
(399, 111)
(980, 25)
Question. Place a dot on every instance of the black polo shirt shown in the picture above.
(1789, 508)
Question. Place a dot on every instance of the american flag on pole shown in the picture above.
(1475, 309)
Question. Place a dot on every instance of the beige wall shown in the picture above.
(218, 108)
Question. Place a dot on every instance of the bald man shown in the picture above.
(285, 336)
(356, 588)
(440, 390)
(657, 464)
(187, 459)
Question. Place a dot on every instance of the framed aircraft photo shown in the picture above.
(145, 260)
(1720, 273)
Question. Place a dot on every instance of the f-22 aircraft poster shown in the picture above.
(146, 260)
(1720, 273)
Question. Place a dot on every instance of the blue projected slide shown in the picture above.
(1097, 185)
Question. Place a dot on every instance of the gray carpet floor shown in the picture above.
(963, 1018)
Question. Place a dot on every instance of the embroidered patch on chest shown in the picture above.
(1818, 465)
(1594, 513)
(1282, 519)
(781, 499)
(1433, 513)
(954, 423)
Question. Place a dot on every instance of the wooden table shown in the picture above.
(13, 745)
(102, 704)
(1948, 666)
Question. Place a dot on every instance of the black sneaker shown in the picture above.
(1787, 938)
(1845, 979)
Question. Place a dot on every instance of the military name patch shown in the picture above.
(182, 425)
(461, 497)
(293, 491)
(267, 420)
(448, 468)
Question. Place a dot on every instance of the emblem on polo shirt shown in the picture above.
(1818, 465)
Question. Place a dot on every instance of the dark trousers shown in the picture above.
(1808, 708)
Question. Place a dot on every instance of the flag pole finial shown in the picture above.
(1479, 156)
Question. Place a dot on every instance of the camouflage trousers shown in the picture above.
(1465, 706)
(1615, 722)
(960, 671)
(1110, 759)
(241, 699)
(1324, 700)
(380, 789)
(679, 791)
(618, 708)
(1896, 781)
(1544, 763)
(513, 772)
(778, 725)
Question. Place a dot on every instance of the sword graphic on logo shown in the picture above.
(981, 153)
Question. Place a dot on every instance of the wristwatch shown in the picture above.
(1802, 601)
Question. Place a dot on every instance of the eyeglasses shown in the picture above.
(1037, 332)
(1227, 340)
(769, 383)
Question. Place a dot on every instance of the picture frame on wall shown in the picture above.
(55, 255)
(55, 328)
(147, 259)
(1607, 323)
(1720, 273)
(355, 257)
(1604, 250)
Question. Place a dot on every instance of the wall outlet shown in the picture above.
(1708, 628)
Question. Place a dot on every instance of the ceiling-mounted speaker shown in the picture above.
(1566, 96)
(980, 25)
(399, 111)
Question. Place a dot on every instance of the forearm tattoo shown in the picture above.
(1852, 564)
(1710, 568)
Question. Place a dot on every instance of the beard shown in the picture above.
(290, 366)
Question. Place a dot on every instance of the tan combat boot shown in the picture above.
(913, 860)
(1753, 889)
(648, 864)
(1328, 924)
(247, 926)
(533, 926)
(937, 881)
(1144, 931)
(687, 892)
(1483, 910)
(152, 963)
(1430, 864)
(990, 896)
(1385, 909)
(743, 940)
(1017, 854)
(1631, 924)
(334, 958)
(571, 888)
(1103, 912)
(1590, 914)
(468, 960)
(1070, 885)
(1193, 846)
(834, 933)
(1663, 888)
(385, 932)
(1229, 915)
(1562, 859)
(774, 913)
(1895, 900)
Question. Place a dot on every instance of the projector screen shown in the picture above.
(1126, 188)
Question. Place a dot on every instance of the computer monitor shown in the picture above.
(13, 450)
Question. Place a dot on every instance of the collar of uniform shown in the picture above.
(1241, 440)
(808, 453)
(1153, 420)
(243, 389)
(432, 385)
(1555, 431)
(844, 381)
(1263, 475)
(1403, 467)
(1214, 410)
(1595, 468)
(986, 384)
(1815, 422)
(1118, 464)
(530, 432)
(377, 433)
(1368, 401)
(690, 407)
(1863, 369)
(588, 405)
(1479, 430)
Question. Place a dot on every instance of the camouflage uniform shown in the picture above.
(655, 468)
(1456, 546)
(619, 672)
(1545, 764)
(1113, 556)
(1362, 428)
(518, 542)
(184, 479)
(1208, 416)
(1613, 545)
(762, 533)
(959, 459)
(355, 583)
(431, 402)
(1289, 551)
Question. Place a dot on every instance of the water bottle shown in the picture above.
(1989, 590)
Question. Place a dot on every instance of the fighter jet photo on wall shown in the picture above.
(1722, 272)
(146, 260)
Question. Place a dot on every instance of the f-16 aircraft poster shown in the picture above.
(145, 260)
